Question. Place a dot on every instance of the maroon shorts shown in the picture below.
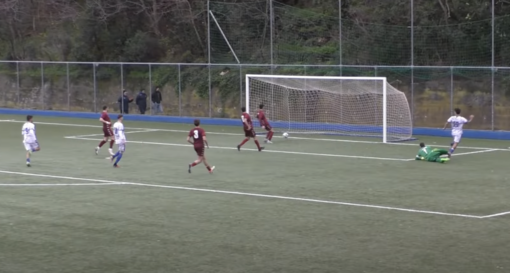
(249, 133)
(199, 150)
(268, 127)
(107, 132)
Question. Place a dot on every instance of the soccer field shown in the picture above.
(305, 204)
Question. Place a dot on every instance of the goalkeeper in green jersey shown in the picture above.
(431, 155)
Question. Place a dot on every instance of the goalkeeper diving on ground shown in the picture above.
(426, 153)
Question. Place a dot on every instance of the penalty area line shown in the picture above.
(249, 149)
(496, 214)
(476, 152)
(268, 196)
(59, 185)
(128, 132)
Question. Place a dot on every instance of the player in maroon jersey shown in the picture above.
(197, 137)
(107, 131)
(265, 124)
(249, 132)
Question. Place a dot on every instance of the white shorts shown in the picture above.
(121, 147)
(31, 146)
(456, 138)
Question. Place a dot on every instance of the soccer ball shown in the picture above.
(285, 135)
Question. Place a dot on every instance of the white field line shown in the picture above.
(252, 195)
(128, 132)
(59, 185)
(496, 214)
(475, 152)
(248, 149)
(233, 134)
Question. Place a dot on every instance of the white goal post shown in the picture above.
(349, 106)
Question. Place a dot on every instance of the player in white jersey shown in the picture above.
(457, 122)
(29, 138)
(120, 140)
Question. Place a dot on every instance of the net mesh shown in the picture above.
(351, 107)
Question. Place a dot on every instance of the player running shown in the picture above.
(107, 131)
(29, 138)
(265, 124)
(426, 153)
(249, 132)
(120, 140)
(457, 123)
(199, 139)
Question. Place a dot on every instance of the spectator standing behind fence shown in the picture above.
(141, 101)
(156, 102)
(124, 102)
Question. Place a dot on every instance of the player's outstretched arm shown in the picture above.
(446, 124)
(471, 117)
(206, 143)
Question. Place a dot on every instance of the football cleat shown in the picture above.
(261, 148)
(116, 166)
(97, 150)
(212, 169)
(28, 164)
(111, 151)
(443, 160)
(189, 168)
(239, 147)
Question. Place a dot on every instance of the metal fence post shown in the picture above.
(451, 88)
(17, 83)
(42, 87)
(180, 84)
(122, 88)
(412, 61)
(68, 89)
(94, 65)
(210, 91)
(492, 64)
(240, 86)
(150, 89)
(340, 35)
(271, 34)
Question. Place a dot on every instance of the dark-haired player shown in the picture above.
(457, 121)
(120, 139)
(249, 132)
(107, 131)
(426, 153)
(197, 137)
(265, 124)
(29, 138)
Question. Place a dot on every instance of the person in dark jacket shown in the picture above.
(124, 102)
(156, 101)
(141, 101)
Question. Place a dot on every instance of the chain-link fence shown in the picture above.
(202, 90)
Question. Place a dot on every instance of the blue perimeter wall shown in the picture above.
(480, 134)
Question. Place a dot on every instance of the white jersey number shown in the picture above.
(195, 134)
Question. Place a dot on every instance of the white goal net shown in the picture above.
(350, 106)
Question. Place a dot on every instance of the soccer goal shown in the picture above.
(350, 106)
